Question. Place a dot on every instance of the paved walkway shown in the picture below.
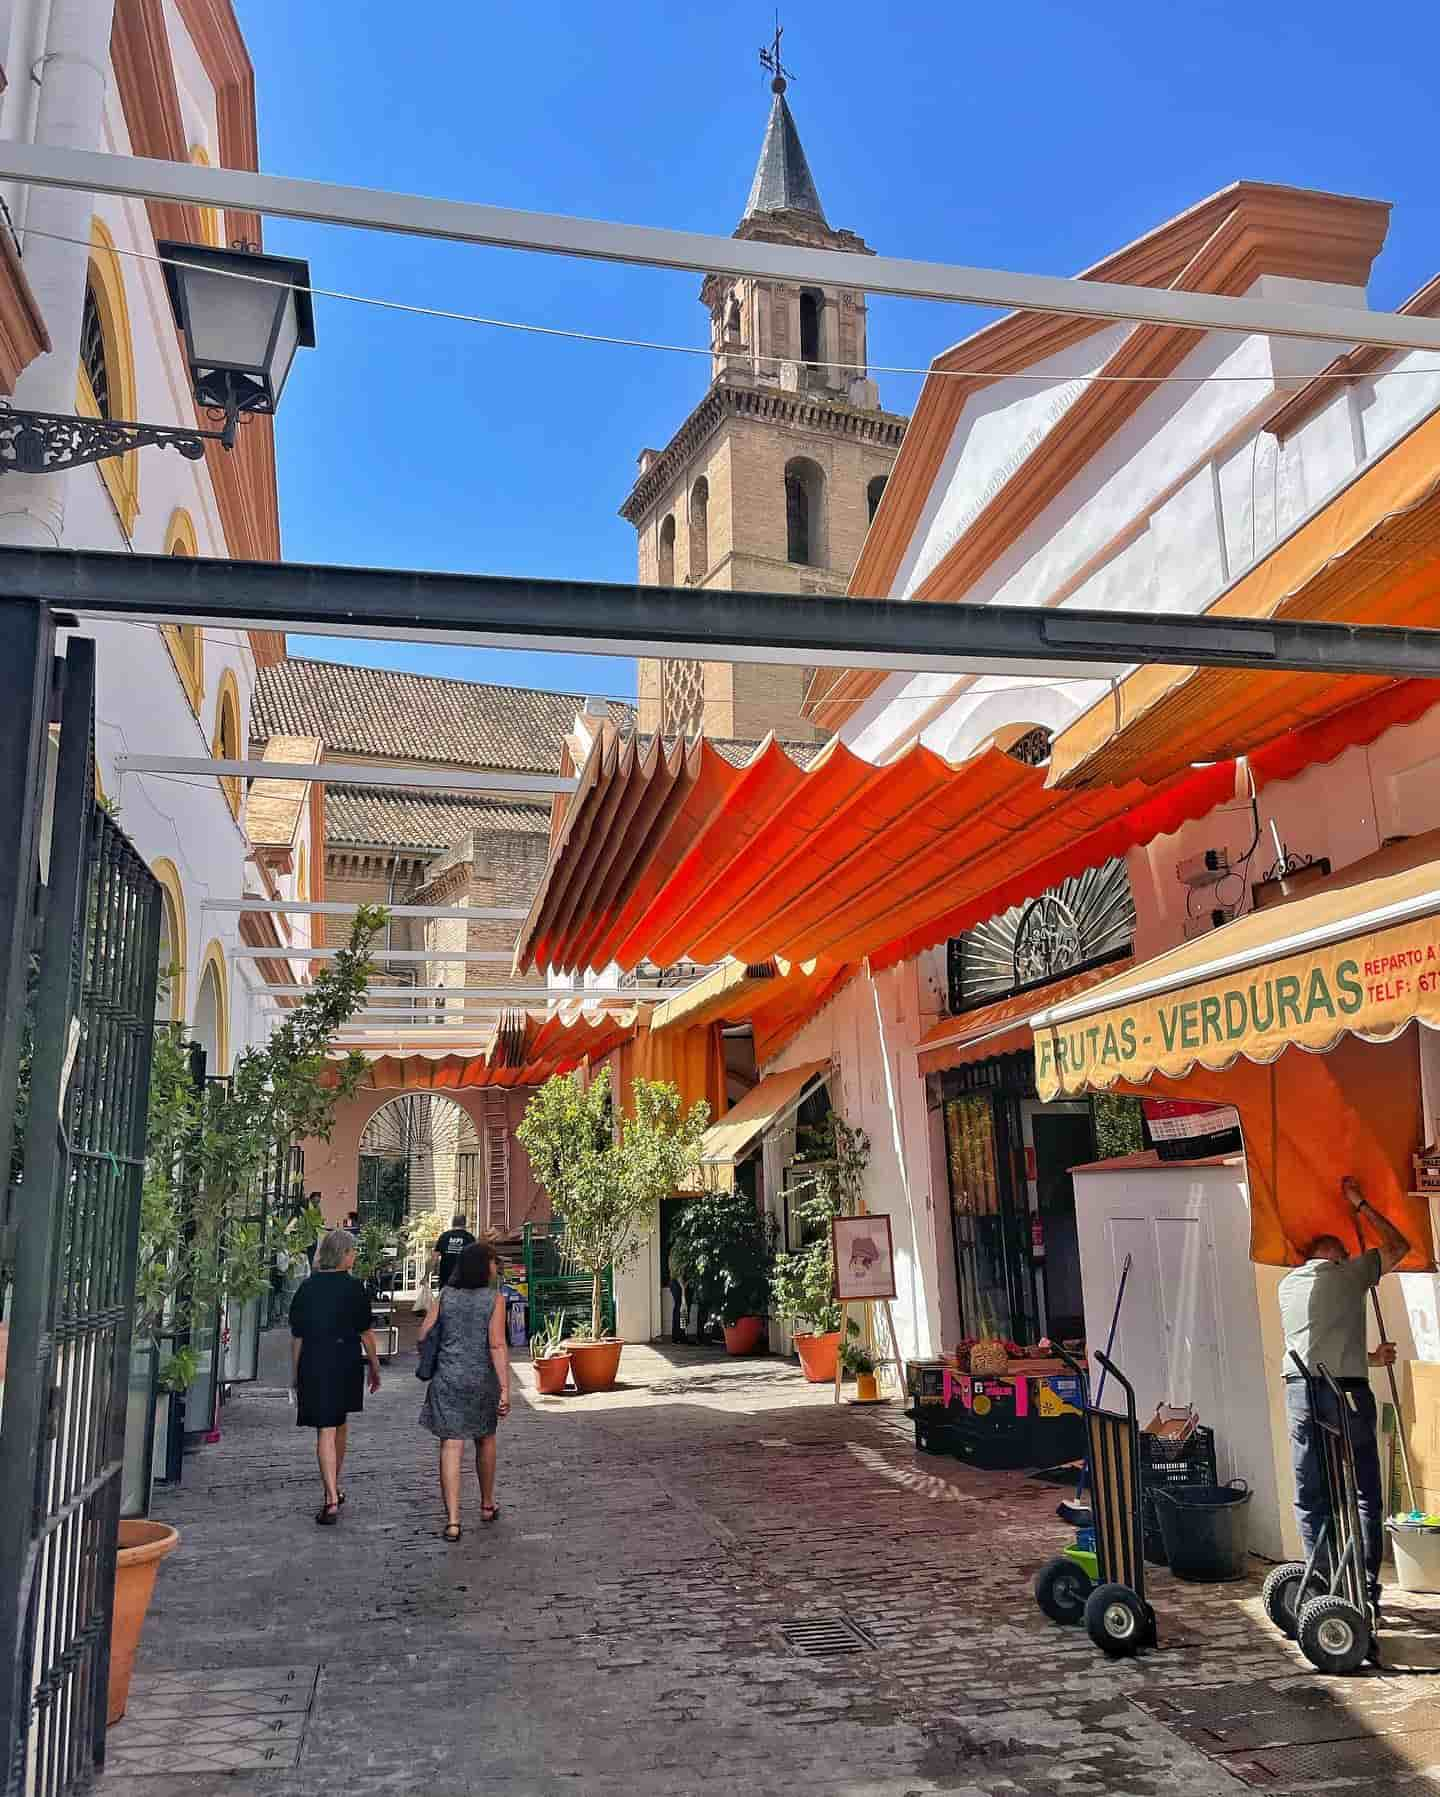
(622, 1630)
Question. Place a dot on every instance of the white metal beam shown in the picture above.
(539, 996)
(397, 991)
(467, 222)
(500, 957)
(340, 773)
(343, 908)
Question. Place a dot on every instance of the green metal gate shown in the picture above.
(75, 1213)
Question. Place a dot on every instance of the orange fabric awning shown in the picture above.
(775, 1000)
(526, 1049)
(1002, 1027)
(669, 853)
(1369, 557)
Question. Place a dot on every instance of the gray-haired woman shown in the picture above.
(332, 1336)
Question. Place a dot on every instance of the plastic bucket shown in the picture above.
(1417, 1557)
(1206, 1529)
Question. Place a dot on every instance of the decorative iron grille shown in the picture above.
(1081, 923)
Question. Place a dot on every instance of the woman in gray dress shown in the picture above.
(470, 1391)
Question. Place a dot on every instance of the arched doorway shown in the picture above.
(420, 1152)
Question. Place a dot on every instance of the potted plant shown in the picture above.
(729, 1246)
(859, 1361)
(205, 1237)
(803, 1282)
(605, 1175)
(548, 1357)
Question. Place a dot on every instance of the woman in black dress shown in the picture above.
(332, 1336)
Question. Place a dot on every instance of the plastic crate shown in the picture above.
(1193, 1465)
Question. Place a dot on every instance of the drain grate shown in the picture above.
(826, 1635)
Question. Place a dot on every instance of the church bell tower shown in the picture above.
(771, 482)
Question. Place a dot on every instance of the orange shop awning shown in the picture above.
(1367, 557)
(1002, 1027)
(1359, 957)
(776, 1000)
(669, 852)
(525, 1050)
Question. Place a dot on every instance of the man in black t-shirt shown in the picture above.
(450, 1246)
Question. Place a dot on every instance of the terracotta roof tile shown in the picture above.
(370, 815)
(417, 717)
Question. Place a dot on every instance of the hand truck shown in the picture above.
(1323, 1603)
(1104, 1587)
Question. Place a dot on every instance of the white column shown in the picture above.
(73, 72)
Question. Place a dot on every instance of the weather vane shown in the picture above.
(770, 59)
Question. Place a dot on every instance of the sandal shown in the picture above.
(328, 1515)
(452, 1531)
(489, 1512)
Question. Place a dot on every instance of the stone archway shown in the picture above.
(420, 1151)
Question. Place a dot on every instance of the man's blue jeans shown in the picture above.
(1312, 1502)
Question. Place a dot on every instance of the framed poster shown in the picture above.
(864, 1258)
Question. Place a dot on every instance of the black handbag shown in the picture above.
(429, 1352)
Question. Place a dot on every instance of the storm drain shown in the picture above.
(826, 1635)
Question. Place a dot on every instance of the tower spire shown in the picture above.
(783, 182)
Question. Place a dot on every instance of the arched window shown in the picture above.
(211, 1025)
(700, 529)
(804, 513)
(170, 994)
(874, 493)
(732, 320)
(225, 744)
(212, 230)
(811, 310)
(666, 574)
(105, 379)
(186, 642)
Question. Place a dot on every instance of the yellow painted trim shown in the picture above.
(121, 474)
(227, 700)
(211, 228)
(214, 956)
(166, 872)
(302, 878)
(186, 642)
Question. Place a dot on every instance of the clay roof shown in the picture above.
(417, 717)
(783, 182)
(370, 815)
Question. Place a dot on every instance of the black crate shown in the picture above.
(1193, 1465)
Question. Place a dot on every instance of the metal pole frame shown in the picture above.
(603, 618)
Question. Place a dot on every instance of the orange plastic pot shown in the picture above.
(551, 1374)
(142, 1546)
(867, 1388)
(818, 1355)
(594, 1366)
(744, 1336)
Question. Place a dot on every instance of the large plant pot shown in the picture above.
(594, 1365)
(744, 1336)
(551, 1374)
(818, 1355)
(142, 1546)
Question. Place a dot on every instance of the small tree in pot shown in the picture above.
(730, 1247)
(803, 1283)
(604, 1175)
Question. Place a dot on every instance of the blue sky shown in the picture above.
(1035, 137)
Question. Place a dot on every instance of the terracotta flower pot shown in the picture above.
(594, 1365)
(867, 1388)
(142, 1546)
(744, 1336)
(551, 1374)
(818, 1354)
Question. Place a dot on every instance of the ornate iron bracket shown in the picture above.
(47, 442)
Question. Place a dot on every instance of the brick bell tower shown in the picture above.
(771, 482)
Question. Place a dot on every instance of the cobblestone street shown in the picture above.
(623, 1627)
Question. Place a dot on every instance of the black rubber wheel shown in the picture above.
(1061, 1588)
(1278, 1594)
(1333, 1635)
(1117, 1621)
